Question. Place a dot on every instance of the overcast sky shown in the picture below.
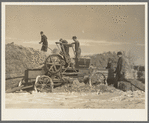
(99, 28)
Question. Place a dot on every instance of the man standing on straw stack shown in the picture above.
(44, 42)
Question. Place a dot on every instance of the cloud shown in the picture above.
(84, 42)
(37, 42)
(141, 44)
(9, 38)
(30, 42)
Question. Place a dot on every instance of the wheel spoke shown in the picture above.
(58, 64)
(51, 68)
(49, 63)
(55, 67)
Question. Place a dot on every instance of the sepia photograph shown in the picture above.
(74, 61)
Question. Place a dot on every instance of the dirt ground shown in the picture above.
(113, 99)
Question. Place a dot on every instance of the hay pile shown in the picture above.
(18, 59)
(101, 60)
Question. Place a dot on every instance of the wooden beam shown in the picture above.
(14, 77)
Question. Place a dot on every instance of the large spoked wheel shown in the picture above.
(98, 78)
(43, 83)
(53, 63)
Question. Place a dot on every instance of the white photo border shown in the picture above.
(73, 114)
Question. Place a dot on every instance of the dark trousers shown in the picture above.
(44, 48)
(119, 77)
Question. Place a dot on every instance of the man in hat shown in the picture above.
(120, 69)
(77, 47)
(44, 42)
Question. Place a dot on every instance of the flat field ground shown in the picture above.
(76, 100)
